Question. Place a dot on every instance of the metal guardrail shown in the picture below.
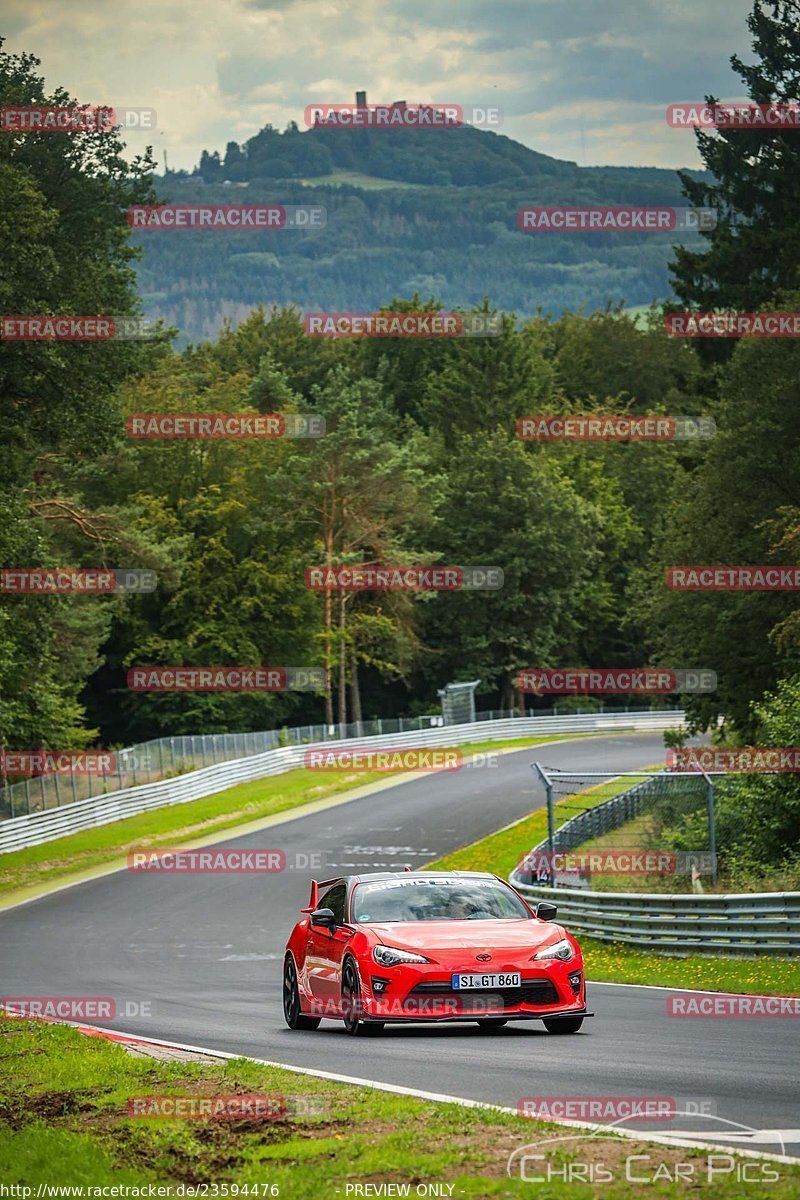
(160, 758)
(750, 923)
(32, 829)
(745, 924)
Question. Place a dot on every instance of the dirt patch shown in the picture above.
(572, 1157)
(492, 1149)
(20, 1108)
(131, 1147)
(215, 1149)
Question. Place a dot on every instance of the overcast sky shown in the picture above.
(586, 80)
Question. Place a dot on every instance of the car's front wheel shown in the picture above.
(294, 1018)
(353, 1005)
(564, 1025)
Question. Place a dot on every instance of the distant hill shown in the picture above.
(459, 157)
(433, 211)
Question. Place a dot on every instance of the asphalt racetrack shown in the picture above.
(196, 958)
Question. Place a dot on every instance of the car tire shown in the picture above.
(490, 1024)
(563, 1025)
(351, 999)
(292, 1013)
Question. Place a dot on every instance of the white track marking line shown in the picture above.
(661, 987)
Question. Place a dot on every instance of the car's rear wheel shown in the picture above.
(292, 1014)
(353, 1005)
(489, 1024)
(563, 1024)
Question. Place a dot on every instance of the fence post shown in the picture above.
(551, 830)
(712, 827)
(551, 818)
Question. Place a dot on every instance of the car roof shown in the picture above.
(350, 881)
(372, 876)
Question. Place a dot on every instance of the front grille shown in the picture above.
(532, 991)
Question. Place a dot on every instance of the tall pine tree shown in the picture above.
(753, 253)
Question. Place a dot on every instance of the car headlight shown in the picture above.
(390, 956)
(561, 950)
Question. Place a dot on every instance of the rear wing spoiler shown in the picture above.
(316, 884)
(314, 897)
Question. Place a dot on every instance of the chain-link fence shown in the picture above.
(646, 830)
(166, 757)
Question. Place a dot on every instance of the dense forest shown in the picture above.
(421, 462)
(428, 211)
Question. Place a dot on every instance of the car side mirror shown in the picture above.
(546, 912)
(324, 917)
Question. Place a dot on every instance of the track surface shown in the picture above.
(204, 952)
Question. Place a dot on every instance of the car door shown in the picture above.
(325, 949)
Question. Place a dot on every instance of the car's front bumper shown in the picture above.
(502, 1014)
(426, 994)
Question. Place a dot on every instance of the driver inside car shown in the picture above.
(460, 907)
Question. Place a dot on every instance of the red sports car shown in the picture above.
(430, 946)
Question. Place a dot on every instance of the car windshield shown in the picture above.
(437, 899)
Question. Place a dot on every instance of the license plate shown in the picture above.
(465, 983)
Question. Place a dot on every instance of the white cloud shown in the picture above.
(568, 76)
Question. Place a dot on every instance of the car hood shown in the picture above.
(458, 935)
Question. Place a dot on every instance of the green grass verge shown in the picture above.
(636, 834)
(645, 832)
(64, 1121)
(181, 823)
(614, 962)
(502, 851)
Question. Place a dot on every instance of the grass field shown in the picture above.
(357, 179)
(40, 866)
(64, 1121)
(645, 831)
(639, 314)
